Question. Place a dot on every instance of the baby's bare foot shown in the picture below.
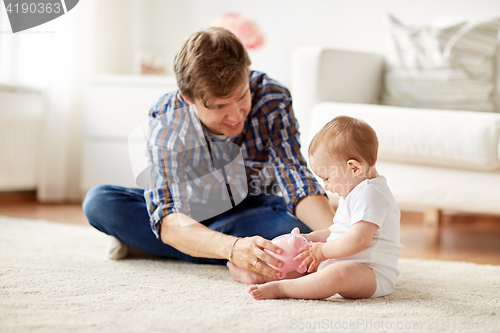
(244, 276)
(255, 292)
(269, 290)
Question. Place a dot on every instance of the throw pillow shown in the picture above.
(450, 67)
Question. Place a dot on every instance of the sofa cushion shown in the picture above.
(463, 140)
(447, 67)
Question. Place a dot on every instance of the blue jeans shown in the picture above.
(121, 212)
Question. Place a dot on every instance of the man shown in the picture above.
(227, 105)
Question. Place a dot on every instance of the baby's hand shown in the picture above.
(306, 236)
(313, 254)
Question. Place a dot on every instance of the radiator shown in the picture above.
(21, 116)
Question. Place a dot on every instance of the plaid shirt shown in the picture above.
(269, 147)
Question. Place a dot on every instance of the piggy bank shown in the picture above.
(289, 245)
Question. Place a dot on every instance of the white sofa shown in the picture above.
(433, 159)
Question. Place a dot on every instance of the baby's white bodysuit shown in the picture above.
(371, 201)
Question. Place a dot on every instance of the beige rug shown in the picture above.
(55, 278)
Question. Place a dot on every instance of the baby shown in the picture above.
(357, 257)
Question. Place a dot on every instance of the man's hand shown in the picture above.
(249, 251)
(313, 254)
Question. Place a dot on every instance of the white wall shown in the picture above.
(125, 27)
(288, 24)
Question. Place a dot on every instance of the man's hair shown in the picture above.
(347, 138)
(211, 63)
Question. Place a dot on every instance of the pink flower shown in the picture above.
(242, 28)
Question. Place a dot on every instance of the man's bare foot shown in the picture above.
(270, 290)
(248, 277)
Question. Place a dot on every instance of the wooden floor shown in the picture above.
(472, 238)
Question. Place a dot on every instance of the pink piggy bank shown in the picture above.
(290, 245)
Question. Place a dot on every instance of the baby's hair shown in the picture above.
(347, 138)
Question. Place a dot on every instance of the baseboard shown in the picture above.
(17, 196)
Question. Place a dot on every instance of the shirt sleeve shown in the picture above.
(166, 191)
(292, 174)
(369, 205)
